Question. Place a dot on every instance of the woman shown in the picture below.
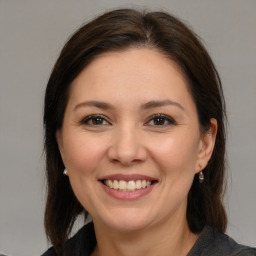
(135, 136)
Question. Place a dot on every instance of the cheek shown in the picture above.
(83, 153)
(176, 154)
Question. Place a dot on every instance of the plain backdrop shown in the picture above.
(32, 33)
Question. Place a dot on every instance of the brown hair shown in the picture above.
(118, 30)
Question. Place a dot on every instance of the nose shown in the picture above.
(127, 147)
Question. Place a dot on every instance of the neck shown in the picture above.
(163, 239)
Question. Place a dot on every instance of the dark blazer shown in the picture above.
(209, 243)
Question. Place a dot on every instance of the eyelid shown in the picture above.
(170, 119)
(86, 119)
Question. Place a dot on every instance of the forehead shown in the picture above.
(132, 73)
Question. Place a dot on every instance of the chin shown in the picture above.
(128, 225)
(127, 220)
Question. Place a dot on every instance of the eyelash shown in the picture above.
(165, 118)
(92, 118)
(100, 118)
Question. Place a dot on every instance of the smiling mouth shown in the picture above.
(130, 185)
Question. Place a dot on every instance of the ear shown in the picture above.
(59, 140)
(206, 146)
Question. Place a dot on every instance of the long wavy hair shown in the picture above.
(119, 30)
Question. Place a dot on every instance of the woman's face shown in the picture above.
(131, 141)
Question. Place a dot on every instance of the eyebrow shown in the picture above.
(145, 106)
(97, 104)
(156, 103)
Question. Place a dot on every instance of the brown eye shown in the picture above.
(95, 120)
(160, 120)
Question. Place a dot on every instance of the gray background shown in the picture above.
(31, 36)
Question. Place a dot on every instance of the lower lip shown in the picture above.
(128, 195)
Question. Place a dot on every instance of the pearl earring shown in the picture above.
(201, 177)
(65, 172)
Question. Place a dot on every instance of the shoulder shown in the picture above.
(49, 252)
(213, 243)
(82, 243)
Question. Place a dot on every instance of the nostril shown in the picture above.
(126, 150)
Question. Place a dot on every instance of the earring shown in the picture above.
(201, 177)
(65, 172)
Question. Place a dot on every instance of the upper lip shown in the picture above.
(128, 177)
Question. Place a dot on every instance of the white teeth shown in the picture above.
(138, 184)
(115, 184)
(131, 185)
(122, 185)
(109, 183)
